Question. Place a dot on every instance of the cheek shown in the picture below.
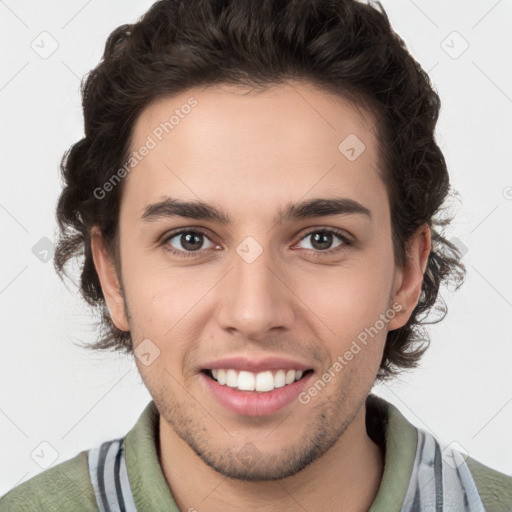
(350, 297)
(156, 292)
(163, 304)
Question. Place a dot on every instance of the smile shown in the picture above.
(255, 394)
(264, 381)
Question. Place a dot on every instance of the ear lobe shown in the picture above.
(109, 281)
(410, 279)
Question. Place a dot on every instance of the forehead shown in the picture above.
(221, 141)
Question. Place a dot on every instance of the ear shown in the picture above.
(408, 281)
(109, 281)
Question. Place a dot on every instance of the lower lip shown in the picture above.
(254, 403)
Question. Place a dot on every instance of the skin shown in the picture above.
(253, 154)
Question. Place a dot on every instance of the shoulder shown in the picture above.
(495, 488)
(428, 457)
(66, 486)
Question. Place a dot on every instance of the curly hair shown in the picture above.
(345, 47)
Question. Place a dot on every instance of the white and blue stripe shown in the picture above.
(440, 480)
(109, 477)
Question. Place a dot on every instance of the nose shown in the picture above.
(256, 297)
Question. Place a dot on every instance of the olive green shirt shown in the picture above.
(68, 486)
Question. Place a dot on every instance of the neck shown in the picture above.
(349, 472)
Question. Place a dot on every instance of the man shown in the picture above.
(256, 197)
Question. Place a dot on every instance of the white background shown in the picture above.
(53, 392)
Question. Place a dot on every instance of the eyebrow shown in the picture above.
(170, 207)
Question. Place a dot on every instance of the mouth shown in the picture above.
(255, 394)
(261, 382)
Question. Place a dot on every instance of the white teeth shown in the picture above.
(231, 378)
(265, 381)
(290, 376)
(262, 381)
(246, 381)
(279, 379)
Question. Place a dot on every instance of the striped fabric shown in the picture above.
(107, 468)
(440, 480)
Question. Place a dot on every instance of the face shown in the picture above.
(288, 265)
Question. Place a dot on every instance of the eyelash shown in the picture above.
(186, 254)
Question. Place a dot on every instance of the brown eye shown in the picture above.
(186, 242)
(322, 240)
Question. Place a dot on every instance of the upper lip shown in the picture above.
(252, 364)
